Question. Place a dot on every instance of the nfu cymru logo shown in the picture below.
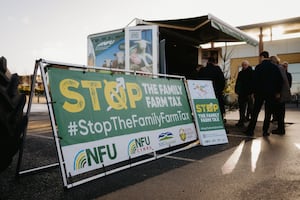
(96, 155)
(139, 146)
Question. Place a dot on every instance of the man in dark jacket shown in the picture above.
(267, 86)
(214, 73)
(243, 88)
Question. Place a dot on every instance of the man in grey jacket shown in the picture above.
(285, 96)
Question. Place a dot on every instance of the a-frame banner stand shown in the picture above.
(209, 121)
(106, 120)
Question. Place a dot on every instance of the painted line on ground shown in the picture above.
(42, 136)
(241, 136)
(183, 159)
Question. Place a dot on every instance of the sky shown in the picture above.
(57, 30)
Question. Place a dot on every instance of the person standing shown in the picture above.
(285, 64)
(267, 83)
(243, 88)
(285, 96)
(214, 73)
(197, 71)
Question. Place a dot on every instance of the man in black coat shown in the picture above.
(266, 87)
(243, 88)
(214, 73)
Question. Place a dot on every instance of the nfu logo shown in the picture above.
(139, 146)
(104, 45)
(96, 155)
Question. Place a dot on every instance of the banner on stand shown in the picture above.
(209, 121)
(103, 119)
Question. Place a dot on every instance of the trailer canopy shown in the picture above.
(199, 30)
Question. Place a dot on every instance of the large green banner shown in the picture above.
(103, 119)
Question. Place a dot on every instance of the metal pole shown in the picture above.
(261, 43)
(32, 87)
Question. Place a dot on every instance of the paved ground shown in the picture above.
(245, 168)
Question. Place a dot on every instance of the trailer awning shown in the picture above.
(199, 30)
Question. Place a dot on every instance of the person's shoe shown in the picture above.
(278, 132)
(249, 133)
(266, 134)
(239, 124)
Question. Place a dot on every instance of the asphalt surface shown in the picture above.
(245, 168)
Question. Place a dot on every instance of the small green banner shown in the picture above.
(209, 121)
(208, 114)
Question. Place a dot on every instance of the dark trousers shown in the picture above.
(249, 106)
(245, 107)
(221, 104)
(280, 115)
(258, 103)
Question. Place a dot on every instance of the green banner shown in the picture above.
(208, 114)
(91, 106)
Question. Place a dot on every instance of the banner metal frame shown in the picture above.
(42, 65)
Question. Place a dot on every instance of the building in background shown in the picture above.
(281, 38)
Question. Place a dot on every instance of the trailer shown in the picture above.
(163, 46)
